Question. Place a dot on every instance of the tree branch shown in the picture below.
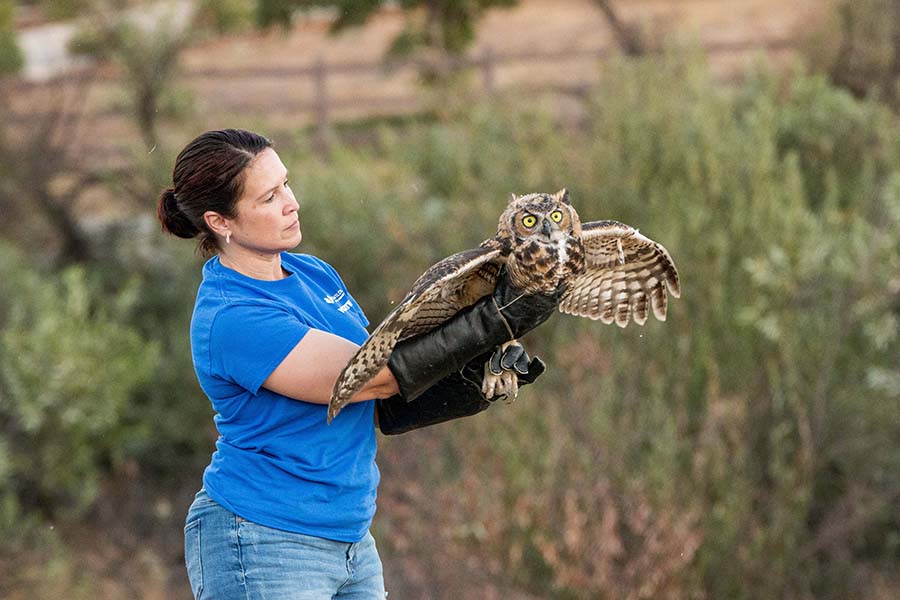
(628, 36)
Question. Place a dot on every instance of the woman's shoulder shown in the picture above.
(223, 287)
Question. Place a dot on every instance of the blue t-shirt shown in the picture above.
(277, 462)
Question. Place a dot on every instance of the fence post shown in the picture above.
(320, 81)
(487, 70)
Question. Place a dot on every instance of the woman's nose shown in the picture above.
(292, 205)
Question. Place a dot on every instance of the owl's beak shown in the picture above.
(545, 228)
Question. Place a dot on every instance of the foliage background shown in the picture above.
(746, 448)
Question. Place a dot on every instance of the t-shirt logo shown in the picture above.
(337, 297)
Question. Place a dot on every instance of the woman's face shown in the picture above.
(266, 213)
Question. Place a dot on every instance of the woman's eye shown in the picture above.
(556, 216)
(529, 220)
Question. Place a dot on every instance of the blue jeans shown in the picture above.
(228, 557)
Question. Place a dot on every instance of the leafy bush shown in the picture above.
(70, 361)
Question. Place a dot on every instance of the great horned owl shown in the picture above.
(612, 273)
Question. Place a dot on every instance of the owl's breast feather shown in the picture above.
(563, 251)
(539, 267)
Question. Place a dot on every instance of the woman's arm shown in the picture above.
(309, 371)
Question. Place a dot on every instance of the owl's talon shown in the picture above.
(489, 383)
(504, 385)
(512, 392)
(495, 386)
(499, 377)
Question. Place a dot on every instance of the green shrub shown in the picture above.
(70, 361)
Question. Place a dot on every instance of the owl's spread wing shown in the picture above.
(448, 286)
(627, 275)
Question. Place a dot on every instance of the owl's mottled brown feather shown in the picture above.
(611, 272)
(443, 290)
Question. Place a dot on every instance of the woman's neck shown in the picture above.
(253, 264)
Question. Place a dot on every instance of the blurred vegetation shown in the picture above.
(148, 55)
(71, 359)
(747, 448)
(11, 59)
(70, 362)
(40, 180)
(857, 43)
(225, 16)
(444, 25)
(59, 10)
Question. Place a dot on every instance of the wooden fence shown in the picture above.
(319, 105)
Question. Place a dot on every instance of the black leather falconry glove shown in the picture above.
(420, 362)
(523, 312)
(455, 396)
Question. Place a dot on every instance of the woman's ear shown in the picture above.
(217, 223)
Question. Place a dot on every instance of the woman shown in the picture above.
(287, 500)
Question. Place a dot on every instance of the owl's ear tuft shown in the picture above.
(562, 196)
(512, 197)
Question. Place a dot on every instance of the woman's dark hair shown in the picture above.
(208, 175)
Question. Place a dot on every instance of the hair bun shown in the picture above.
(172, 218)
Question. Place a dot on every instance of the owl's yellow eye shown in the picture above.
(556, 216)
(529, 220)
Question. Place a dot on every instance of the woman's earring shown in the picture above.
(228, 238)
